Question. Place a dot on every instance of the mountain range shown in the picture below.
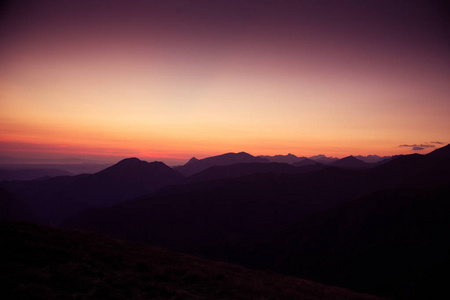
(328, 222)
(197, 165)
(54, 199)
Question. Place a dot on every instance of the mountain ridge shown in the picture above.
(197, 165)
(56, 198)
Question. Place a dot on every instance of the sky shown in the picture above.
(170, 79)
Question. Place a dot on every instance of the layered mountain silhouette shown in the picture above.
(305, 162)
(287, 159)
(326, 221)
(293, 159)
(350, 162)
(267, 199)
(373, 159)
(233, 219)
(197, 165)
(46, 263)
(244, 169)
(52, 200)
(323, 159)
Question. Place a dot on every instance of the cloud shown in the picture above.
(420, 147)
(423, 146)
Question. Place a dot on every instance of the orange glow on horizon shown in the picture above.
(170, 85)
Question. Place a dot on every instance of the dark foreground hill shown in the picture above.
(46, 263)
(392, 243)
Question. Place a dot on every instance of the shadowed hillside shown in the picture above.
(244, 169)
(54, 199)
(220, 217)
(394, 243)
(12, 208)
(45, 263)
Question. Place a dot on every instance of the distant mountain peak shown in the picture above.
(134, 164)
(350, 158)
(192, 160)
(243, 154)
(130, 160)
(305, 162)
(349, 162)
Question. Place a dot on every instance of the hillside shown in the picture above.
(54, 199)
(392, 243)
(12, 208)
(46, 263)
(244, 169)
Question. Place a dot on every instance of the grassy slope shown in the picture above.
(45, 263)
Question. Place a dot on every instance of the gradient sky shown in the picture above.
(176, 79)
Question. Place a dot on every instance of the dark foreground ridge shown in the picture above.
(46, 263)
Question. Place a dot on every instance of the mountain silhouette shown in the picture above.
(243, 169)
(350, 162)
(196, 165)
(414, 169)
(135, 171)
(323, 159)
(56, 198)
(440, 153)
(230, 218)
(305, 162)
(267, 215)
(372, 159)
(287, 159)
(253, 205)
